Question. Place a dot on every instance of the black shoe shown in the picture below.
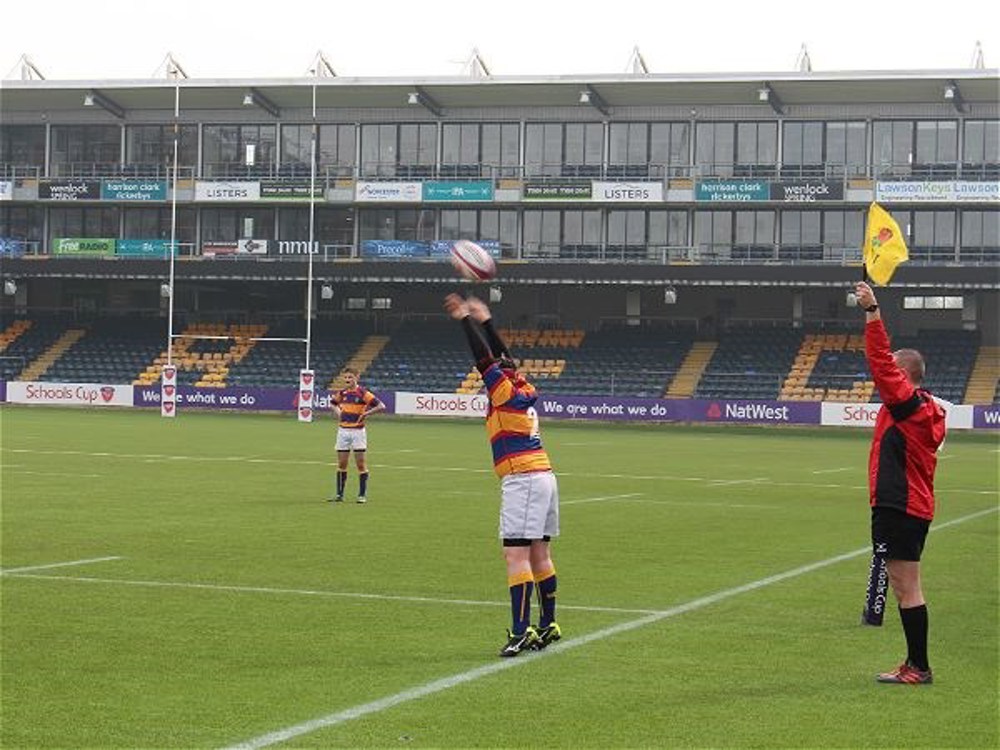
(548, 634)
(518, 643)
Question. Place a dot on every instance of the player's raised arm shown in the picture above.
(894, 383)
(480, 312)
(459, 310)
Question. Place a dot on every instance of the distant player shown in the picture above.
(529, 506)
(351, 406)
(909, 429)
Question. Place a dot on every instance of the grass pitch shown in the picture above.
(711, 581)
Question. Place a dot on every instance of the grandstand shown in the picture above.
(689, 237)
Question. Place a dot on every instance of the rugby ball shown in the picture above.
(472, 262)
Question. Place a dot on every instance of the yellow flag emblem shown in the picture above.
(884, 247)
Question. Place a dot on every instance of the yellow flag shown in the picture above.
(884, 247)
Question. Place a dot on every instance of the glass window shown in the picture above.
(152, 146)
(418, 148)
(378, 150)
(148, 223)
(802, 145)
(937, 142)
(713, 229)
(981, 142)
(668, 228)
(500, 226)
(501, 149)
(756, 147)
(801, 228)
(337, 149)
(754, 228)
(22, 145)
(626, 228)
(715, 148)
(584, 147)
(231, 224)
(239, 150)
(90, 221)
(843, 229)
(85, 149)
(21, 222)
(892, 147)
(845, 147)
(543, 144)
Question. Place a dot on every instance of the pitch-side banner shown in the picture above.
(623, 409)
(69, 394)
(959, 417)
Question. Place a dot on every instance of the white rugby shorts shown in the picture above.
(352, 438)
(529, 505)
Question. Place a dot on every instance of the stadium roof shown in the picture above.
(976, 87)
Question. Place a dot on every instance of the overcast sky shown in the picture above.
(90, 39)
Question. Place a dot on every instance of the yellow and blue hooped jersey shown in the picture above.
(512, 425)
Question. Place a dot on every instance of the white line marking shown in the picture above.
(723, 482)
(583, 500)
(446, 683)
(307, 592)
(834, 471)
(54, 473)
(710, 481)
(10, 571)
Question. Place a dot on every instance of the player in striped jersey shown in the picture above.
(351, 406)
(529, 508)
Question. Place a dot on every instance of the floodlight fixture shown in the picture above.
(423, 99)
(253, 98)
(95, 98)
(591, 97)
(767, 95)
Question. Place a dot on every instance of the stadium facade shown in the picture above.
(639, 197)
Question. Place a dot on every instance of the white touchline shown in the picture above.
(8, 571)
(599, 499)
(308, 592)
(835, 471)
(446, 683)
(709, 481)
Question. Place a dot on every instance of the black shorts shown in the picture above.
(900, 535)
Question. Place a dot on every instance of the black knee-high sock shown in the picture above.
(915, 627)
(341, 482)
(363, 483)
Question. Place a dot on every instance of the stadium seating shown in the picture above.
(430, 356)
(28, 340)
(750, 362)
(112, 350)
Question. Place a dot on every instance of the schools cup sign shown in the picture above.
(306, 396)
(168, 391)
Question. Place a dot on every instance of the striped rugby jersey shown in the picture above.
(512, 424)
(353, 402)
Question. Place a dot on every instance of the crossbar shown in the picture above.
(227, 338)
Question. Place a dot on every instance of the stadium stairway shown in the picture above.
(985, 376)
(361, 360)
(36, 369)
(686, 380)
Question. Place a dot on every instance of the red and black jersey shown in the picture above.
(909, 428)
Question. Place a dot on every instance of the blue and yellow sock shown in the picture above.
(363, 483)
(545, 583)
(521, 586)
